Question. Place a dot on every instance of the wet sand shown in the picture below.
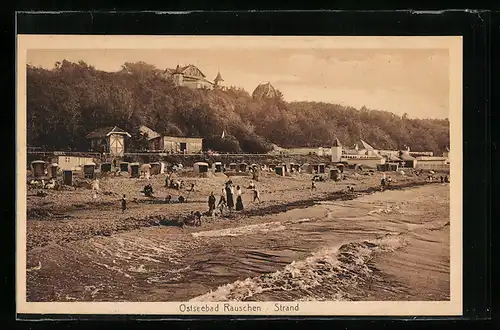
(366, 248)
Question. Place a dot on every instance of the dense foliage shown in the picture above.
(66, 103)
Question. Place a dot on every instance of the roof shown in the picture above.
(182, 69)
(106, 131)
(366, 145)
(264, 91)
(219, 77)
(180, 137)
(406, 157)
(393, 158)
(143, 129)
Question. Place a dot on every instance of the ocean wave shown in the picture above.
(250, 229)
(323, 276)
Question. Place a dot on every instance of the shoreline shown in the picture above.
(156, 217)
(290, 250)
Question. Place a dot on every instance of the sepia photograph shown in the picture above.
(239, 175)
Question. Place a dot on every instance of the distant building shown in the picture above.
(148, 132)
(110, 140)
(264, 91)
(432, 163)
(71, 163)
(192, 77)
(187, 145)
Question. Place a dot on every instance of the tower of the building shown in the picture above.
(218, 81)
(336, 151)
(178, 76)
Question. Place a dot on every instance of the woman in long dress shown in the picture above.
(229, 197)
(239, 201)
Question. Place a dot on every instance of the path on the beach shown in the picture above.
(363, 249)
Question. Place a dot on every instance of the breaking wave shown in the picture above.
(326, 275)
(250, 229)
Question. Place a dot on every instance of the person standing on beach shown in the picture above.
(167, 180)
(255, 195)
(313, 185)
(239, 200)
(124, 203)
(222, 201)
(211, 203)
(229, 197)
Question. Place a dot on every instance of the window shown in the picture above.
(67, 159)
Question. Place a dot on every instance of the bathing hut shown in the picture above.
(383, 167)
(233, 166)
(156, 168)
(200, 167)
(134, 170)
(105, 167)
(68, 177)
(393, 166)
(242, 167)
(52, 170)
(334, 174)
(279, 170)
(285, 167)
(294, 167)
(38, 168)
(146, 170)
(217, 167)
(307, 168)
(89, 170)
(124, 167)
(321, 168)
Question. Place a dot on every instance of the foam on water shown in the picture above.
(250, 229)
(328, 270)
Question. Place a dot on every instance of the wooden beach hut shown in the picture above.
(52, 170)
(68, 177)
(321, 168)
(200, 167)
(295, 167)
(334, 174)
(233, 166)
(279, 170)
(156, 168)
(242, 167)
(89, 170)
(124, 166)
(307, 168)
(217, 167)
(38, 168)
(134, 170)
(105, 167)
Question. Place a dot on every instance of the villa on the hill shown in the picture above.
(192, 77)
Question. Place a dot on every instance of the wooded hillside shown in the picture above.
(67, 102)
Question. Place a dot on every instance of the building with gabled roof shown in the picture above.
(192, 77)
(109, 140)
(264, 91)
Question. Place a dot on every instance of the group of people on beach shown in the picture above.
(227, 198)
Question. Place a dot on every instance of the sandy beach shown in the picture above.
(296, 244)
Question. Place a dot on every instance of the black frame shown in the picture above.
(475, 28)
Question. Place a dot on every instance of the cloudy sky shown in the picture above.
(413, 81)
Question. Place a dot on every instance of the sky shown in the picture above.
(412, 81)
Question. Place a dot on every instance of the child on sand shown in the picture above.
(124, 204)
